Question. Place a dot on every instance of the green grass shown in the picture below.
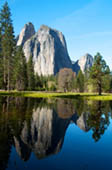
(89, 96)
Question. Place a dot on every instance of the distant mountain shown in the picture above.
(48, 48)
(83, 64)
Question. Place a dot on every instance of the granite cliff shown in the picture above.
(27, 32)
(48, 48)
(83, 64)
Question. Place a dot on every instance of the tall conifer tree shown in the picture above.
(30, 74)
(1, 64)
(98, 72)
(20, 73)
(7, 45)
(80, 81)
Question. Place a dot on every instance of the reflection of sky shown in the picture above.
(86, 24)
(79, 152)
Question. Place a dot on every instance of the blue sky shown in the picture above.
(86, 24)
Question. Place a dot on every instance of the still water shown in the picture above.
(57, 134)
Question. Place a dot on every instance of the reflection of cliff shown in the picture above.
(82, 122)
(22, 149)
(39, 126)
(45, 134)
(66, 110)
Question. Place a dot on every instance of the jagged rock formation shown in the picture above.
(83, 64)
(48, 48)
(27, 32)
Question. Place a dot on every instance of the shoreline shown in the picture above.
(46, 94)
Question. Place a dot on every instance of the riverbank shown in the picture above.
(33, 94)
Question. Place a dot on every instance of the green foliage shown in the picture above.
(30, 74)
(16, 74)
(1, 63)
(7, 45)
(98, 72)
(79, 83)
(52, 87)
(1, 72)
(96, 121)
(43, 83)
(38, 83)
(44, 80)
(52, 83)
(20, 73)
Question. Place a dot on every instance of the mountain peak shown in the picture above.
(27, 32)
(44, 27)
(49, 51)
(84, 63)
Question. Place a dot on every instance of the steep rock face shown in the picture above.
(49, 51)
(83, 64)
(27, 32)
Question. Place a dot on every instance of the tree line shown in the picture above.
(97, 79)
(17, 74)
(13, 67)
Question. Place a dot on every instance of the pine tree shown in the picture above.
(98, 72)
(106, 83)
(80, 81)
(7, 45)
(1, 64)
(30, 74)
(20, 73)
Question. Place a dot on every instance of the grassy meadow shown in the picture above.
(71, 95)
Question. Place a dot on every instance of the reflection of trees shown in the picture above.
(65, 108)
(13, 112)
(34, 125)
(79, 105)
(98, 119)
(5, 146)
(5, 135)
(39, 126)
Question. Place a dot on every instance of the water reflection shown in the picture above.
(39, 125)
